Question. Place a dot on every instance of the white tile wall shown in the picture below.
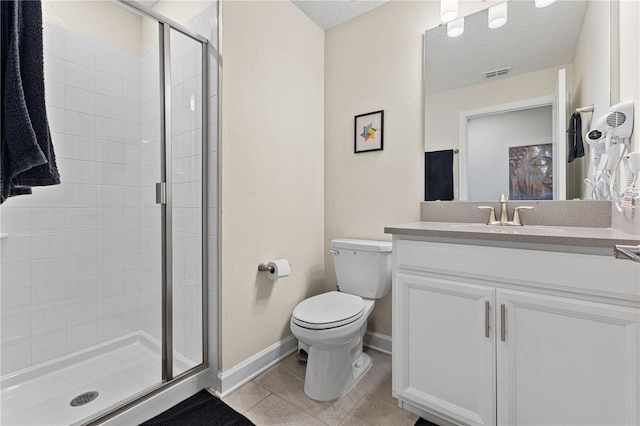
(150, 253)
(82, 263)
(70, 277)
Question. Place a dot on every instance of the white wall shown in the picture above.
(272, 170)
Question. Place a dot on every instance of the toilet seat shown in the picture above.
(328, 310)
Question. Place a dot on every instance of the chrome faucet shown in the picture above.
(504, 216)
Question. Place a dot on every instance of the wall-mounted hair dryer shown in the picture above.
(613, 128)
(615, 125)
(619, 120)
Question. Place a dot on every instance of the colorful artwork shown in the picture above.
(531, 172)
(368, 132)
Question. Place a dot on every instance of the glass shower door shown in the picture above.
(102, 276)
(187, 178)
(82, 261)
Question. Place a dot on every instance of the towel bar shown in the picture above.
(585, 109)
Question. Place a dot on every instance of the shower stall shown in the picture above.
(108, 285)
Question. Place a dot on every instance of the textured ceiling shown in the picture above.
(532, 39)
(329, 13)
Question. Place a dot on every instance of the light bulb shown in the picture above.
(448, 10)
(455, 28)
(498, 15)
(543, 3)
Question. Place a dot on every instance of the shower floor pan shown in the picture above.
(118, 370)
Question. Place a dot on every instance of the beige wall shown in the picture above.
(630, 61)
(272, 170)
(590, 82)
(375, 62)
(443, 109)
(101, 20)
(372, 62)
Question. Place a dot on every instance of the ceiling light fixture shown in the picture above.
(543, 3)
(455, 28)
(448, 10)
(498, 15)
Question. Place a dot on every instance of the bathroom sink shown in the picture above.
(496, 229)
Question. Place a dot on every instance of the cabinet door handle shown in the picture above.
(486, 318)
(502, 324)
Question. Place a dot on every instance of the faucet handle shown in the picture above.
(492, 214)
(516, 214)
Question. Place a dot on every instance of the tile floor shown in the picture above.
(276, 397)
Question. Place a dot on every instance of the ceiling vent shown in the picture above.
(496, 73)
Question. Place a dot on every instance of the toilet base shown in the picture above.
(332, 373)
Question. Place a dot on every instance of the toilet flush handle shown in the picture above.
(336, 252)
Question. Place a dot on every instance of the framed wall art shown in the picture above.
(368, 132)
(531, 172)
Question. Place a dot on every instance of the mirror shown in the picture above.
(493, 79)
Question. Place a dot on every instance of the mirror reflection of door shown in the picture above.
(533, 47)
(516, 148)
(509, 153)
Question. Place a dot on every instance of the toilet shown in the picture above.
(330, 327)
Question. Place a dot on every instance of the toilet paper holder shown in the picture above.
(265, 268)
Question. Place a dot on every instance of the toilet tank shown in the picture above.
(363, 267)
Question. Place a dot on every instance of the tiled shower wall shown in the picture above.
(71, 263)
(151, 214)
(81, 264)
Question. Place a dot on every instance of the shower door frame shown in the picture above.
(165, 200)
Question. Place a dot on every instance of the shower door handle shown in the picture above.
(161, 193)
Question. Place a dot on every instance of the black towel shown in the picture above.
(26, 151)
(574, 138)
(438, 175)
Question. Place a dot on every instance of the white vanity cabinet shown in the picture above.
(510, 336)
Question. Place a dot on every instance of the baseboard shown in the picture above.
(378, 342)
(237, 376)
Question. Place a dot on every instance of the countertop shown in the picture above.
(551, 235)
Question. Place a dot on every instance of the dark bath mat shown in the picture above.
(423, 422)
(202, 409)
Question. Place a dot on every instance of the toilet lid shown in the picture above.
(328, 310)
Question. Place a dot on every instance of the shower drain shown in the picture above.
(84, 398)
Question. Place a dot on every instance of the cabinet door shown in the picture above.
(566, 362)
(443, 360)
